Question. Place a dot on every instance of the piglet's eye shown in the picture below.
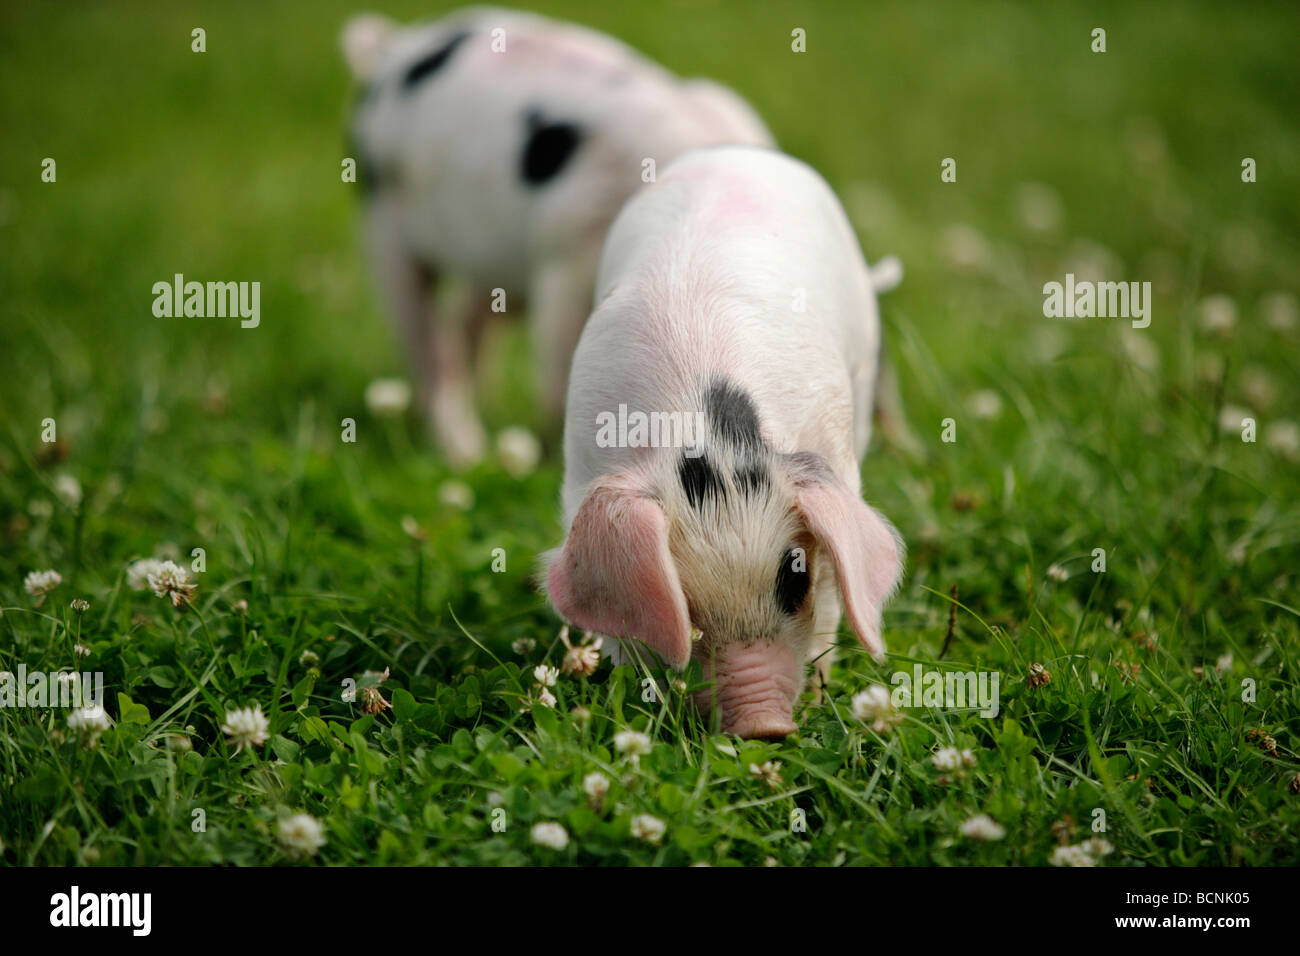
(792, 580)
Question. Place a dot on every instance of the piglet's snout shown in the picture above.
(755, 688)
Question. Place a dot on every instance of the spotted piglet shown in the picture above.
(496, 147)
(719, 405)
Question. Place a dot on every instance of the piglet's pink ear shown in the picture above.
(864, 548)
(615, 575)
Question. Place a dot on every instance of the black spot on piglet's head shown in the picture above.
(700, 480)
(732, 415)
(734, 422)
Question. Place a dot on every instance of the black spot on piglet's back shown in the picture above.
(791, 584)
(433, 61)
(547, 148)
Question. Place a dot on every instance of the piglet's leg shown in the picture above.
(450, 361)
(826, 622)
(406, 284)
(560, 301)
(437, 341)
(891, 421)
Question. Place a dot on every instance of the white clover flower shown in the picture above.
(965, 249)
(985, 403)
(867, 703)
(1057, 573)
(412, 528)
(71, 680)
(595, 786)
(1071, 856)
(648, 828)
(950, 758)
(1224, 663)
(246, 727)
(1039, 207)
(40, 583)
(1086, 853)
(551, 835)
(170, 580)
(1257, 385)
(631, 742)
(544, 697)
(546, 676)
(580, 660)
(769, 773)
(373, 702)
(1090, 261)
(1098, 846)
(89, 722)
(80, 605)
(1280, 311)
(138, 572)
(523, 645)
(300, 835)
(1218, 315)
(1283, 438)
(1232, 418)
(68, 489)
(1139, 349)
(456, 494)
(388, 397)
(519, 451)
(874, 707)
(81, 650)
(983, 827)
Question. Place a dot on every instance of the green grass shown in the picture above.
(194, 433)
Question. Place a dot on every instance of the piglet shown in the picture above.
(719, 404)
(496, 147)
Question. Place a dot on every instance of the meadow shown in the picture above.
(1148, 711)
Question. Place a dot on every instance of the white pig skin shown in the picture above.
(734, 287)
(496, 147)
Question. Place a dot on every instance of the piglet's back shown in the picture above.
(756, 224)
